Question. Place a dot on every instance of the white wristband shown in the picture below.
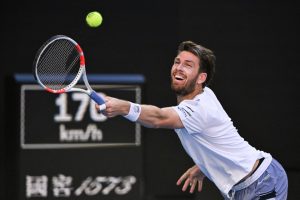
(134, 112)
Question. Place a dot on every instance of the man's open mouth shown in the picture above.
(179, 77)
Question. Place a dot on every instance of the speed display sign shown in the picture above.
(70, 120)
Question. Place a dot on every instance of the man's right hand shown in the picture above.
(114, 107)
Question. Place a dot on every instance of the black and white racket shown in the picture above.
(59, 64)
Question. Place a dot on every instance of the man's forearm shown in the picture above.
(151, 116)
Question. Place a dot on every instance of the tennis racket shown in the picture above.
(58, 66)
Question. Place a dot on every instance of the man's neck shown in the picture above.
(189, 96)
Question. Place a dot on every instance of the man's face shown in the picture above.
(184, 73)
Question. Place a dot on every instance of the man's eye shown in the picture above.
(187, 65)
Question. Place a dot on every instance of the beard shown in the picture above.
(182, 90)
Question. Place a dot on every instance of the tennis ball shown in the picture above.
(94, 19)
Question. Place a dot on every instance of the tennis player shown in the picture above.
(207, 133)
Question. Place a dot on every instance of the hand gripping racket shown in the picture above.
(58, 66)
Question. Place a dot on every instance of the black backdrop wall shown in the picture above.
(257, 68)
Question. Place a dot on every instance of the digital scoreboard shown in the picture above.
(70, 120)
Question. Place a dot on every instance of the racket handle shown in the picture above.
(99, 100)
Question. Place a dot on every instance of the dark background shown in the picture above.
(257, 79)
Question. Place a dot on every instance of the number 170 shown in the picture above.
(85, 103)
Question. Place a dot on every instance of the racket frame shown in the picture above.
(81, 73)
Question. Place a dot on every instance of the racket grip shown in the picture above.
(98, 99)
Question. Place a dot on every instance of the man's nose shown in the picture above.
(180, 67)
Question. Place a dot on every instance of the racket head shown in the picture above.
(59, 64)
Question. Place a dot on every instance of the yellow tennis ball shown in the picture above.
(94, 19)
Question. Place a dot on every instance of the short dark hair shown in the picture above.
(206, 57)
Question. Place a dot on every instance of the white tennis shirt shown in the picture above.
(213, 143)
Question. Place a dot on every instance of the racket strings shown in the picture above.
(58, 64)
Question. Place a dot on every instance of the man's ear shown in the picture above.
(201, 78)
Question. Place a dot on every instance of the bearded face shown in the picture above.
(184, 73)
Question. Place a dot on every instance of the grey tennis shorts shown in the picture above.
(272, 184)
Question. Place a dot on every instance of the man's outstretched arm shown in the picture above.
(149, 116)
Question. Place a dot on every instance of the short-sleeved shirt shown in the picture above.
(213, 142)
